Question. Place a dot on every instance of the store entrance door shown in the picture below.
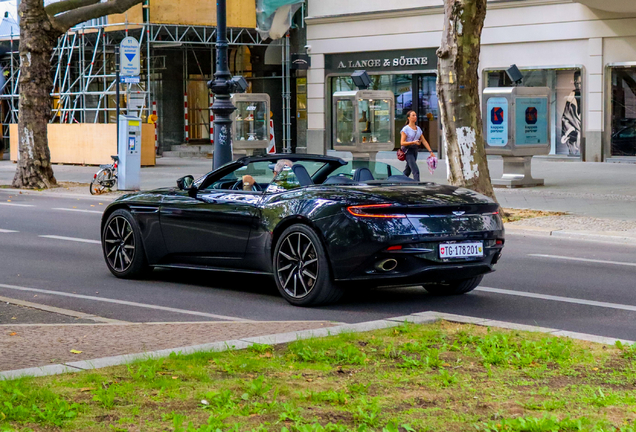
(623, 142)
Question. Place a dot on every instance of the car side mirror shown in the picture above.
(185, 183)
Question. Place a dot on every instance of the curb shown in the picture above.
(283, 338)
(598, 237)
(60, 311)
(48, 194)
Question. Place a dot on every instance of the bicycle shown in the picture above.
(105, 178)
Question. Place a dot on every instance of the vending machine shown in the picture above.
(517, 127)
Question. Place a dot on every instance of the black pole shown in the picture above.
(117, 92)
(222, 88)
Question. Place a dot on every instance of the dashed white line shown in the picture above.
(583, 260)
(123, 302)
(74, 239)
(78, 210)
(16, 205)
(7, 231)
(558, 299)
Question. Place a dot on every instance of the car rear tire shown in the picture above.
(458, 287)
(122, 246)
(301, 268)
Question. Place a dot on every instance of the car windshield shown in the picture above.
(263, 174)
(379, 170)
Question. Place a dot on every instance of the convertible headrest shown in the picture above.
(362, 175)
(303, 177)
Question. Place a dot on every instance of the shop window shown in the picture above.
(402, 86)
(566, 119)
(623, 111)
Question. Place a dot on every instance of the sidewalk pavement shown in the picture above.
(36, 345)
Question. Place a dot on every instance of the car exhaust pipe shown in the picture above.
(386, 265)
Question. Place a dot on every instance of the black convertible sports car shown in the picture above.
(314, 223)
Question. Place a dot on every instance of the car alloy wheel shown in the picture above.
(119, 244)
(298, 265)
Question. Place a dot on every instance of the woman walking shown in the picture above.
(412, 138)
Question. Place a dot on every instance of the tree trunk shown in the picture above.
(458, 93)
(37, 39)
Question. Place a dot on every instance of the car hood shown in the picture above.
(419, 195)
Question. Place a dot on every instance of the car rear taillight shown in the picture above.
(394, 248)
(374, 211)
(499, 242)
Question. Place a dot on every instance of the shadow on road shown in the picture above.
(262, 290)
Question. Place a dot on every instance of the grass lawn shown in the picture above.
(439, 377)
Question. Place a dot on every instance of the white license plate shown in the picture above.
(461, 250)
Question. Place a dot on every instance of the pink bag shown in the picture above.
(432, 164)
(401, 155)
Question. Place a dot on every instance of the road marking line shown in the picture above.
(60, 311)
(80, 240)
(17, 205)
(123, 302)
(558, 299)
(78, 210)
(7, 231)
(583, 260)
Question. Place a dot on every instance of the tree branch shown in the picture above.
(67, 5)
(69, 19)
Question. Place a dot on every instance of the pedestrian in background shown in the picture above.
(412, 139)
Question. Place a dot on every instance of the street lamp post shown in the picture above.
(222, 86)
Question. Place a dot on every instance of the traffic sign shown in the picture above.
(129, 79)
(129, 60)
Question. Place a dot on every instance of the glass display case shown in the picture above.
(251, 121)
(364, 121)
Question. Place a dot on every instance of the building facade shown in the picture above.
(178, 54)
(585, 52)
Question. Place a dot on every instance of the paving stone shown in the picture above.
(36, 346)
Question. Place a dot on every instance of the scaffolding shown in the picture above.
(83, 69)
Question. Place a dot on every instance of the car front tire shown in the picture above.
(122, 246)
(458, 287)
(301, 268)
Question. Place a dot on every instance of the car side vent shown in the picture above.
(144, 209)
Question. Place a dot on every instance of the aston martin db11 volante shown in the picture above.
(314, 223)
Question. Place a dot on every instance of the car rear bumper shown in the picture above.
(423, 275)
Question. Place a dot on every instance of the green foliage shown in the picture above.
(315, 351)
(532, 424)
(502, 349)
(333, 397)
(627, 351)
(23, 402)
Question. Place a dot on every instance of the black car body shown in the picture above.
(320, 223)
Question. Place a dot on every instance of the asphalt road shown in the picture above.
(50, 254)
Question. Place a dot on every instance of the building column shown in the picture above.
(594, 102)
(316, 106)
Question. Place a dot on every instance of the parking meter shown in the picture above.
(129, 151)
(517, 127)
